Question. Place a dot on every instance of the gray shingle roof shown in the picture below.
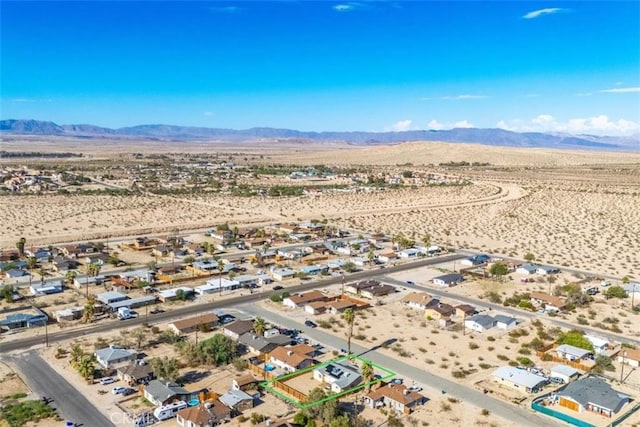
(596, 391)
(164, 390)
(519, 376)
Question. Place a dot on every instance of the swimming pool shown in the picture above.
(269, 368)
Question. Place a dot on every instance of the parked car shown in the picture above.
(396, 381)
(556, 380)
(128, 392)
(118, 390)
(410, 282)
(107, 380)
(415, 388)
(278, 287)
(310, 324)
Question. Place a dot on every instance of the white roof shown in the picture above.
(216, 283)
(564, 370)
(170, 293)
(518, 376)
(573, 351)
(597, 342)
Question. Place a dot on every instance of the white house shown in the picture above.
(520, 379)
(113, 355)
(600, 345)
(565, 373)
(339, 376)
(408, 253)
(505, 322)
(479, 322)
(527, 269)
(629, 356)
(547, 269)
(572, 353)
(447, 280)
(280, 274)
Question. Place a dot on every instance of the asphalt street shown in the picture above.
(515, 312)
(517, 415)
(196, 308)
(43, 380)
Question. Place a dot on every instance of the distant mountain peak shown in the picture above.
(496, 137)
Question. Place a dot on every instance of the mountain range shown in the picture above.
(496, 137)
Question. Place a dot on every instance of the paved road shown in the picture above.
(517, 415)
(44, 381)
(229, 302)
(514, 311)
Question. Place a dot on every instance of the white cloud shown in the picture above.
(402, 125)
(209, 113)
(348, 7)
(597, 125)
(583, 94)
(463, 124)
(548, 11)
(436, 125)
(622, 90)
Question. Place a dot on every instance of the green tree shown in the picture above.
(86, 365)
(217, 350)
(349, 316)
(604, 363)
(371, 256)
(300, 418)
(139, 334)
(349, 267)
(529, 257)
(89, 309)
(32, 263)
(165, 368)
(114, 258)
(220, 269)
(189, 259)
(341, 421)
(426, 240)
(393, 420)
(20, 245)
(75, 354)
(181, 295)
(626, 280)
(499, 270)
(70, 276)
(366, 370)
(615, 292)
(576, 339)
(259, 326)
(6, 292)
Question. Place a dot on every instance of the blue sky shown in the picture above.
(369, 65)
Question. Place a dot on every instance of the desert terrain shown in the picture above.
(569, 208)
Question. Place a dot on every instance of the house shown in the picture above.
(47, 288)
(629, 356)
(136, 373)
(292, 358)
(281, 274)
(520, 379)
(80, 281)
(377, 291)
(505, 322)
(161, 251)
(439, 311)
(244, 382)
(15, 273)
(68, 314)
(236, 329)
(549, 302)
(111, 297)
(62, 265)
(572, 353)
(447, 280)
(396, 397)
(565, 373)
(527, 268)
(592, 394)
(600, 345)
(339, 376)
(479, 322)
(317, 307)
(207, 414)
(314, 270)
(259, 344)
(409, 253)
(246, 280)
(300, 300)
(174, 293)
(417, 300)
(133, 302)
(24, 320)
(237, 400)
(476, 260)
(357, 287)
(162, 392)
(214, 285)
(184, 326)
(465, 310)
(113, 355)
(337, 307)
(546, 269)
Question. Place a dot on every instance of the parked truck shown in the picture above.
(125, 313)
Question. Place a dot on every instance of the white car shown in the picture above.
(118, 390)
(107, 380)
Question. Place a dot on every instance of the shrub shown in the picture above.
(473, 346)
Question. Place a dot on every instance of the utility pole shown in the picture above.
(342, 284)
(624, 355)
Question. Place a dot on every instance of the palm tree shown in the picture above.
(426, 240)
(371, 256)
(76, 354)
(220, 268)
(89, 309)
(20, 245)
(349, 316)
(366, 370)
(32, 263)
(70, 275)
(259, 325)
(86, 365)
